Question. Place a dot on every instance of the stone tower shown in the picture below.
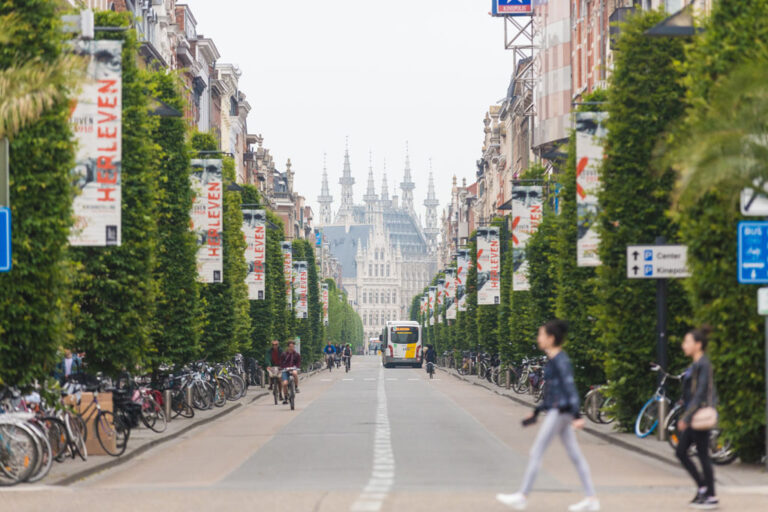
(325, 199)
(407, 184)
(347, 181)
(370, 196)
(431, 230)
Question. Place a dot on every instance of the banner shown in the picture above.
(488, 266)
(462, 270)
(440, 299)
(301, 277)
(286, 249)
(96, 120)
(325, 303)
(423, 306)
(206, 219)
(431, 302)
(450, 294)
(527, 211)
(255, 233)
(590, 133)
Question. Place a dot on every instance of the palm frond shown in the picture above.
(26, 91)
(726, 144)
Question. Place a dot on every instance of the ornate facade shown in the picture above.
(385, 255)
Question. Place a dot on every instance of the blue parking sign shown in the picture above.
(753, 252)
(5, 239)
(511, 7)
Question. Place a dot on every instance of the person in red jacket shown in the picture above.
(291, 359)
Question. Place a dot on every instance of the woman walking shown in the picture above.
(699, 418)
(561, 404)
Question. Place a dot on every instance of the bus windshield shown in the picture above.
(404, 334)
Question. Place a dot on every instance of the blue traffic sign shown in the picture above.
(753, 252)
(5, 239)
(511, 7)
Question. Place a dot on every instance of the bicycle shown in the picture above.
(721, 451)
(347, 363)
(108, 427)
(431, 369)
(648, 418)
(597, 406)
(291, 390)
(274, 380)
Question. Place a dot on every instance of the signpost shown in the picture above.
(511, 7)
(5, 239)
(753, 252)
(753, 269)
(659, 262)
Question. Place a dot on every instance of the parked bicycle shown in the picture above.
(648, 418)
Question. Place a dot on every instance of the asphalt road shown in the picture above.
(370, 440)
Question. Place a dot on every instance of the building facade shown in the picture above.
(383, 252)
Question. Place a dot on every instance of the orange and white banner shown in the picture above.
(207, 219)
(488, 266)
(527, 211)
(255, 234)
(287, 251)
(590, 133)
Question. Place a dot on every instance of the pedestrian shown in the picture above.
(70, 365)
(699, 417)
(561, 405)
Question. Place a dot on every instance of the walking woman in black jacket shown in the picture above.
(699, 399)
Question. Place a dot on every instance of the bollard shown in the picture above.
(508, 378)
(663, 411)
(263, 378)
(167, 404)
(188, 395)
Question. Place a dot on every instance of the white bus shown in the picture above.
(401, 344)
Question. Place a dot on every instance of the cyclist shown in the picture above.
(430, 356)
(273, 357)
(347, 352)
(291, 359)
(329, 351)
(561, 403)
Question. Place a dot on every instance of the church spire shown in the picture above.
(384, 186)
(325, 198)
(431, 229)
(346, 181)
(370, 196)
(407, 184)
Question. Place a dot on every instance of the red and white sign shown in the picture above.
(255, 233)
(301, 282)
(207, 219)
(488, 266)
(287, 252)
(527, 212)
(96, 120)
(325, 304)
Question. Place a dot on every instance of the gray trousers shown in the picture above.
(556, 423)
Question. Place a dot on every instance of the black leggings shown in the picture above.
(701, 439)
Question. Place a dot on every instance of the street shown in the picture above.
(453, 447)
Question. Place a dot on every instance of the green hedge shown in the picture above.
(116, 288)
(178, 319)
(645, 95)
(34, 296)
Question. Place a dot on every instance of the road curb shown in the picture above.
(114, 462)
(596, 433)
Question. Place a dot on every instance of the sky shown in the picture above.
(382, 73)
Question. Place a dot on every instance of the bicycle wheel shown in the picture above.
(77, 432)
(219, 395)
(648, 418)
(18, 453)
(112, 433)
(720, 450)
(45, 460)
(238, 385)
(523, 382)
(57, 436)
(179, 405)
(275, 389)
(292, 393)
(591, 407)
(604, 414)
(153, 416)
(670, 423)
(538, 392)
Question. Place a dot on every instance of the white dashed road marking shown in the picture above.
(383, 472)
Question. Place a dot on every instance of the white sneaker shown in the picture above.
(587, 504)
(517, 501)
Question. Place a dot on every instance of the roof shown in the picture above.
(344, 245)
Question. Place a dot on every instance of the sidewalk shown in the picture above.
(736, 474)
(143, 439)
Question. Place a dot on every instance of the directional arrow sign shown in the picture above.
(657, 261)
(753, 252)
(5, 239)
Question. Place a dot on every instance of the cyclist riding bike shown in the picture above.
(291, 359)
(430, 356)
(273, 358)
(347, 352)
(329, 352)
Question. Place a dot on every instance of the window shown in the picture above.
(376, 271)
(370, 269)
(233, 106)
(394, 297)
(387, 269)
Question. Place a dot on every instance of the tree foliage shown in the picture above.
(34, 296)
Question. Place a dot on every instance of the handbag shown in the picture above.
(705, 418)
